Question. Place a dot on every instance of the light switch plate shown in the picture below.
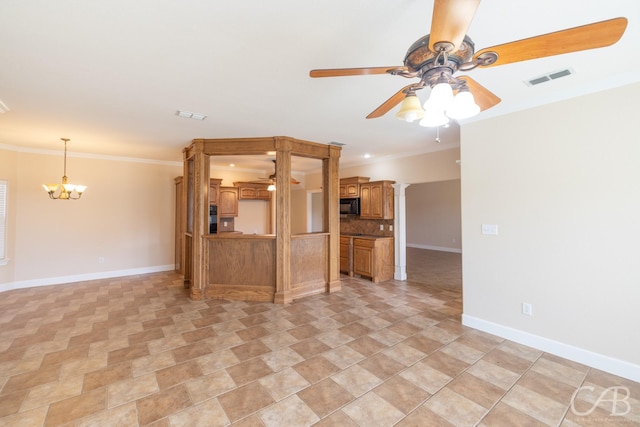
(490, 229)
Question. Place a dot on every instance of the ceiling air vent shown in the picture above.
(337, 144)
(549, 76)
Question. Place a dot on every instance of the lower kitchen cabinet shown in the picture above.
(373, 257)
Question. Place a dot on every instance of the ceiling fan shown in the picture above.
(271, 179)
(435, 58)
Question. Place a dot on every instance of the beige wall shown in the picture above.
(125, 217)
(562, 182)
(8, 172)
(433, 216)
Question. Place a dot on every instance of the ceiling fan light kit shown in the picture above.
(435, 58)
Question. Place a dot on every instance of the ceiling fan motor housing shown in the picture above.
(420, 58)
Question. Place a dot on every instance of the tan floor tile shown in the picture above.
(209, 386)
(250, 350)
(559, 372)
(215, 361)
(248, 371)
(520, 350)
(455, 408)
(325, 397)
(444, 363)
(316, 369)
(337, 419)
(503, 415)
(208, 413)
(371, 410)
(284, 383)
(32, 418)
(303, 332)
(278, 340)
(479, 391)
(404, 354)
(425, 377)
(290, 412)
(367, 346)
(124, 415)
(382, 366)
(128, 353)
(131, 390)
(198, 335)
(531, 403)
(310, 347)
(357, 380)
(52, 392)
(165, 344)
(76, 407)
(343, 356)
(10, 403)
(423, 417)
(508, 361)
(423, 343)
(191, 351)
(169, 377)
(462, 352)
(549, 387)
(402, 393)
(493, 374)
(31, 379)
(252, 333)
(244, 401)
(163, 404)
(226, 340)
(108, 375)
(153, 362)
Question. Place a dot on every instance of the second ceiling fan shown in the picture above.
(435, 59)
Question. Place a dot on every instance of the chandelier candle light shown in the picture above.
(67, 191)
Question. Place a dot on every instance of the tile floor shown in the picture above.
(136, 351)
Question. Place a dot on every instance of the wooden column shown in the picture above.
(200, 220)
(283, 221)
(331, 191)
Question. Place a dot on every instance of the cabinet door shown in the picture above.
(376, 201)
(263, 194)
(364, 257)
(365, 200)
(213, 194)
(343, 190)
(247, 193)
(228, 202)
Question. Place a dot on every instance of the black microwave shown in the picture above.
(350, 206)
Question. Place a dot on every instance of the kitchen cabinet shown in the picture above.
(214, 189)
(228, 202)
(253, 191)
(373, 258)
(350, 187)
(346, 255)
(376, 200)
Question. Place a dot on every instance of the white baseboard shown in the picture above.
(580, 355)
(83, 277)
(434, 248)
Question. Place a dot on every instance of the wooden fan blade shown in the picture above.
(390, 103)
(338, 72)
(590, 36)
(483, 96)
(450, 21)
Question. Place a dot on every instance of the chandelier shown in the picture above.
(64, 191)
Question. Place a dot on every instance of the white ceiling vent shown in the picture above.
(337, 144)
(549, 76)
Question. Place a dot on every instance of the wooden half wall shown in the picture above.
(315, 266)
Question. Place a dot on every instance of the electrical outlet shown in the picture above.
(381, 227)
(527, 309)
(390, 227)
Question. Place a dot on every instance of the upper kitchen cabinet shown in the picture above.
(376, 200)
(228, 202)
(350, 187)
(214, 189)
(253, 191)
